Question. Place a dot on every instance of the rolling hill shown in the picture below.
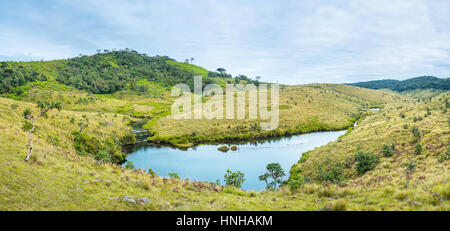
(423, 82)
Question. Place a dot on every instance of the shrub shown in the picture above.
(223, 148)
(444, 156)
(335, 174)
(129, 138)
(151, 172)
(174, 175)
(416, 133)
(418, 149)
(234, 178)
(233, 148)
(365, 161)
(410, 166)
(90, 145)
(130, 165)
(387, 151)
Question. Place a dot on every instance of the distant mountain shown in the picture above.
(422, 82)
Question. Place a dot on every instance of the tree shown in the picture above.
(275, 172)
(221, 70)
(29, 124)
(234, 178)
(192, 59)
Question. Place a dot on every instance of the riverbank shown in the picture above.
(242, 138)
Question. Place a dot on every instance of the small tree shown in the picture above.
(221, 70)
(30, 119)
(234, 178)
(275, 172)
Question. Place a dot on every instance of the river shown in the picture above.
(207, 163)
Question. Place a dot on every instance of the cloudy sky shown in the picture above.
(292, 42)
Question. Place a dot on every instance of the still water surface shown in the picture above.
(206, 163)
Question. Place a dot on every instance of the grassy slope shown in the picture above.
(303, 108)
(58, 179)
(388, 186)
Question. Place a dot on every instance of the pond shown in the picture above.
(207, 163)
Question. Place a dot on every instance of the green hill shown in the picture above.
(423, 82)
(102, 73)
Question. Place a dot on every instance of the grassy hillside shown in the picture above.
(394, 159)
(305, 108)
(57, 178)
(407, 177)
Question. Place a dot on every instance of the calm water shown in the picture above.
(206, 163)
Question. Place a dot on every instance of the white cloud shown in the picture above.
(293, 42)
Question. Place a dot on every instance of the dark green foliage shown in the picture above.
(106, 151)
(416, 133)
(410, 167)
(100, 73)
(130, 165)
(365, 161)
(418, 149)
(129, 138)
(423, 82)
(387, 150)
(151, 172)
(234, 178)
(13, 76)
(444, 156)
(333, 174)
(174, 175)
(274, 172)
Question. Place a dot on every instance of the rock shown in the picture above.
(144, 200)
(92, 173)
(129, 199)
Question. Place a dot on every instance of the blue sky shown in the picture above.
(292, 42)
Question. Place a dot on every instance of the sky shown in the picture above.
(292, 42)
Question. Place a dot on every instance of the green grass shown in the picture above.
(57, 178)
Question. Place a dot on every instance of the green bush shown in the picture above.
(130, 165)
(416, 132)
(444, 156)
(387, 151)
(234, 178)
(365, 161)
(334, 174)
(107, 151)
(418, 149)
(174, 175)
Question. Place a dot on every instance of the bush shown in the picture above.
(233, 148)
(130, 165)
(365, 161)
(234, 178)
(151, 172)
(387, 151)
(335, 174)
(107, 151)
(410, 167)
(418, 149)
(174, 175)
(223, 148)
(129, 138)
(416, 132)
(444, 156)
